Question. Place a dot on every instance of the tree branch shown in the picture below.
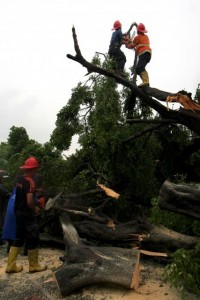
(185, 117)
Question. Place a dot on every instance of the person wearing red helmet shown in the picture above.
(114, 48)
(27, 229)
(141, 45)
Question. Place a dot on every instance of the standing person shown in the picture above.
(141, 44)
(27, 229)
(115, 45)
(4, 195)
(9, 227)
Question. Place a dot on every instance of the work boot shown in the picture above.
(145, 78)
(11, 264)
(34, 266)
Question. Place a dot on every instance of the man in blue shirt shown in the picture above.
(114, 49)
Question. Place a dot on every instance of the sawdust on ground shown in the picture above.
(42, 285)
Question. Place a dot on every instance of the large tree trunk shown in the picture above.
(85, 266)
(182, 199)
(139, 232)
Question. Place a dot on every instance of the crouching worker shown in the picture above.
(27, 229)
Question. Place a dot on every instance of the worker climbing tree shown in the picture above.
(114, 51)
(141, 45)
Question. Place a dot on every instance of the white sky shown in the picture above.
(36, 77)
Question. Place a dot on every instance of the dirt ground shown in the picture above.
(42, 285)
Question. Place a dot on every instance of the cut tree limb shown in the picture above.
(139, 232)
(99, 265)
(85, 265)
(179, 198)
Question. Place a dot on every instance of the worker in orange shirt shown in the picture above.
(141, 45)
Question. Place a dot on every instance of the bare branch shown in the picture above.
(183, 116)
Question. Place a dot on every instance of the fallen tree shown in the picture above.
(85, 265)
(179, 198)
(136, 233)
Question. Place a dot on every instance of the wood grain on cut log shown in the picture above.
(105, 265)
(179, 198)
(85, 266)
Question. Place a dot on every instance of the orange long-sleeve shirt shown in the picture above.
(140, 43)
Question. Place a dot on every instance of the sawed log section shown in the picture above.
(85, 265)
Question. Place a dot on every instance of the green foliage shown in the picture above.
(70, 118)
(50, 159)
(4, 150)
(184, 271)
(18, 139)
(173, 221)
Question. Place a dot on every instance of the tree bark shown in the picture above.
(85, 265)
(182, 199)
(139, 232)
(99, 265)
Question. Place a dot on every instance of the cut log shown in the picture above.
(182, 199)
(99, 265)
(84, 266)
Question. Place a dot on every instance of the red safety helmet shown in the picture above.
(141, 28)
(117, 25)
(30, 163)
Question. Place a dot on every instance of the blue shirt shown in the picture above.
(116, 38)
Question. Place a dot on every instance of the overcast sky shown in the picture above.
(36, 77)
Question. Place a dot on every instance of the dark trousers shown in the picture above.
(119, 56)
(143, 60)
(27, 230)
(2, 214)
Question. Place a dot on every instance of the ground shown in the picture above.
(42, 285)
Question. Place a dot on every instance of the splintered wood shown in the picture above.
(108, 191)
(184, 100)
(136, 274)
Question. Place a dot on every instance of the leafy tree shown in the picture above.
(4, 150)
(17, 140)
(95, 112)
